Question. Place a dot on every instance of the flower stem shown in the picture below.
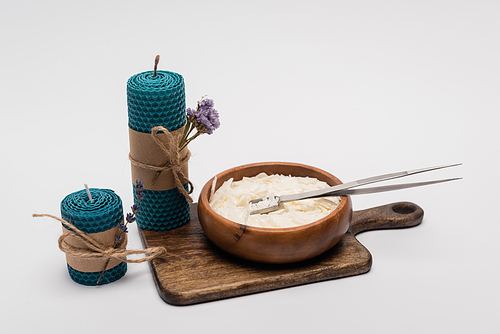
(135, 209)
(187, 128)
(191, 128)
(159, 172)
(190, 140)
(102, 272)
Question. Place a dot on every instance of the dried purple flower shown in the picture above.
(130, 218)
(204, 124)
(123, 228)
(135, 208)
(190, 112)
(139, 192)
(213, 116)
(139, 186)
(206, 103)
(205, 119)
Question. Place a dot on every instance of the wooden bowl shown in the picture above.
(274, 245)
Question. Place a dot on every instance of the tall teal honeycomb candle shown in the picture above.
(157, 98)
(97, 215)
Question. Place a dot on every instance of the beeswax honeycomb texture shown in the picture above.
(163, 210)
(91, 278)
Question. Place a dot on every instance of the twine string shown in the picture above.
(96, 250)
(171, 151)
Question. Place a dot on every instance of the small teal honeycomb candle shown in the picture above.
(156, 99)
(99, 219)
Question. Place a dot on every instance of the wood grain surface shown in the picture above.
(196, 271)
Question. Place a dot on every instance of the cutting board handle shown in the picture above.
(395, 215)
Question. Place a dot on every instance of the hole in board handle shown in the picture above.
(404, 209)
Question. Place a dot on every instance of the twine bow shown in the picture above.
(96, 250)
(171, 150)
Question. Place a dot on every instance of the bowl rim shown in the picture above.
(206, 190)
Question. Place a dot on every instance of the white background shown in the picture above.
(357, 88)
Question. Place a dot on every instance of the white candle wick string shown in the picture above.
(88, 192)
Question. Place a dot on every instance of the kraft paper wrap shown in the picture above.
(106, 238)
(145, 150)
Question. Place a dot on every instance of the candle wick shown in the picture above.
(157, 60)
(88, 192)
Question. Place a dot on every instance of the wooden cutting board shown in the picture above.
(196, 271)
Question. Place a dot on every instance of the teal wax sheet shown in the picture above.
(99, 215)
(90, 279)
(154, 101)
(163, 210)
(158, 101)
(104, 213)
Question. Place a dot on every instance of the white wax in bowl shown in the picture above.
(232, 199)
